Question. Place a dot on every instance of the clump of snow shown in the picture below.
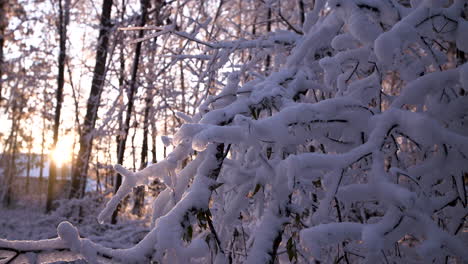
(340, 154)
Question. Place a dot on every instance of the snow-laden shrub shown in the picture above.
(355, 151)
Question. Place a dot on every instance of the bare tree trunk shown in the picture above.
(73, 157)
(165, 130)
(98, 176)
(121, 88)
(3, 25)
(131, 98)
(121, 80)
(106, 169)
(254, 30)
(62, 29)
(154, 134)
(150, 111)
(139, 192)
(182, 86)
(302, 12)
(86, 138)
(28, 163)
(11, 164)
(41, 161)
(268, 29)
(133, 144)
(239, 29)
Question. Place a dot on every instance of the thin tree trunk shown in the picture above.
(3, 25)
(121, 80)
(28, 164)
(133, 145)
(98, 177)
(41, 162)
(302, 12)
(239, 29)
(86, 138)
(139, 192)
(131, 98)
(165, 130)
(106, 170)
(150, 111)
(154, 134)
(11, 169)
(62, 29)
(254, 31)
(268, 29)
(122, 88)
(11, 172)
(182, 86)
(73, 158)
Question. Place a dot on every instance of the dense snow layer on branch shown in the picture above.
(355, 150)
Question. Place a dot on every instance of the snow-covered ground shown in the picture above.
(29, 222)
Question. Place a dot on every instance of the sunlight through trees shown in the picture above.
(234, 131)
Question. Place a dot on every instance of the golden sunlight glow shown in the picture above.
(63, 151)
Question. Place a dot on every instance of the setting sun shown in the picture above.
(62, 153)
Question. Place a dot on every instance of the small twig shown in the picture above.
(410, 139)
(364, 156)
(141, 28)
(352, 73)
(394, 226)
(227, 151)
(385, 257)
(213, 230)
(360, 106)
(289, 24)
(354, 254)
(409, 177)
(338, 141)
(433, 16)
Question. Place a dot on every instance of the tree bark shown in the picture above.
(11, 151)
(268, 29)
(62, 29)
(135, 127)
(139, 192)
(182, 86)
(131, 98)
(41, 161)
(86, 138)
(154, 133)
(302, 12)
(3, 25)
(121, 79)
(98, 176)
(28, 164)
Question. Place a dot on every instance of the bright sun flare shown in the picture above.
(62, 152)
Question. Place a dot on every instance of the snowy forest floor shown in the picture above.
(28, 221)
